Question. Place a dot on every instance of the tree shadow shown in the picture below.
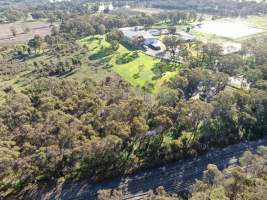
(159, 69)
(103, 52)
(126, 58)
(66, 74)
(128, 46)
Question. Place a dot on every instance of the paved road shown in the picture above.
(174, 177)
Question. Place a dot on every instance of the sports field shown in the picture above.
(228, 29)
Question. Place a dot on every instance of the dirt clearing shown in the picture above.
(35, 28)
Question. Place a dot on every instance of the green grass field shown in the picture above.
(137, 71)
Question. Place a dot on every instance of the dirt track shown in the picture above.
(175, 177)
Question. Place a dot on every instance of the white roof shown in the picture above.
(185, 35)
(131, 32)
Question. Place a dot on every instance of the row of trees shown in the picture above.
(177, 17)
(215, 8)
(100, 24)
(59, 68)
(65, 10)
(17, 10)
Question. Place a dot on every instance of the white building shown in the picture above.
(110, 7)
(102, 7)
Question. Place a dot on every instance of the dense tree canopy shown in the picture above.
(54, 126)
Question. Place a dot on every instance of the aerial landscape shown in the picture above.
(133, 99)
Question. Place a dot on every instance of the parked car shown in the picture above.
(154, 47)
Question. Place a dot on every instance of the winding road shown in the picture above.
(175, 177)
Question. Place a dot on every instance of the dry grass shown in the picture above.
(41, 28)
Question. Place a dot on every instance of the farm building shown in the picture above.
(132, 34)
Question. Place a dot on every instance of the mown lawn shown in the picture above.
(133, 66)
(138, 71)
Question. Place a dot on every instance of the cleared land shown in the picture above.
(36, 28)
(228, 29)
(253, 26)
